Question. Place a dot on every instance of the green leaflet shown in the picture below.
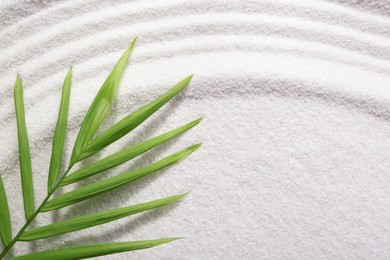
(24, 151)
(106, 185)
(100, 106)
(94, 219)
(87, 251)
(133, 120)
(125, 155)
(59, 134)
(5, 220)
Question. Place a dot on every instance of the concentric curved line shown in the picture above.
(329, 8)
(375, 7)
(14, 28)
(90, 18)
(380, 93)
(187, 47)
(32, 67)
(240, 29)
(194, 43)
(351, 12)
(258, 86)
(6, 3)
(13, 12)
(317, 26)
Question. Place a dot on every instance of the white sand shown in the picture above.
(295, 97)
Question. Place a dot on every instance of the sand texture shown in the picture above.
(295, 95)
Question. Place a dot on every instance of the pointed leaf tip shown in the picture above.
(189, 77)
(198, 120)
(185, 194)
(18, 77)
(195, 147)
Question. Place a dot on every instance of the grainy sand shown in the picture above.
(295, 97)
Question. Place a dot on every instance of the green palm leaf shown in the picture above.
(100, 106)
(5, 220)
(88, 251)
(60, 132)
(87, 144)
(133, 120)
(94, 219)
(24, 151)
(125, 155)
(106, 185)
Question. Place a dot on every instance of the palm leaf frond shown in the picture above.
(86, 145)
(24, 151)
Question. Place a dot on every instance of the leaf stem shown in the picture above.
(33, 216)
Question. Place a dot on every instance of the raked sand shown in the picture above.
(295, 95)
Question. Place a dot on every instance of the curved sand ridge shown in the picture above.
(295, 96)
